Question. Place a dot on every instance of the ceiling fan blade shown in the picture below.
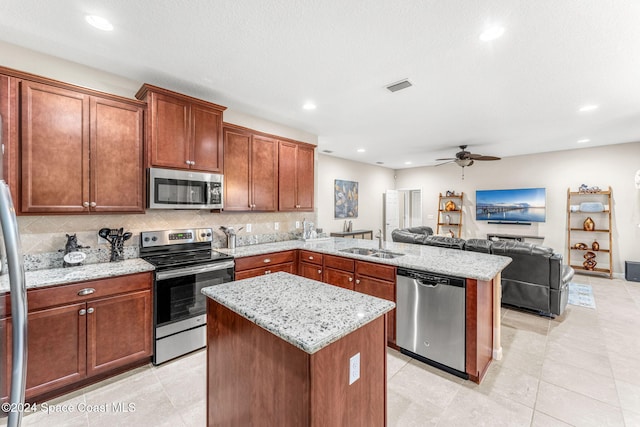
(440, 164)
(485, 157)
(449, 158)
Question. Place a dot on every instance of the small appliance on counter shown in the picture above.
(116, 238)
(231, 236)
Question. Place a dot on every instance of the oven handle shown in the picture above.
(163, 275)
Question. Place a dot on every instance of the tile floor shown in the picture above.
(581, 369)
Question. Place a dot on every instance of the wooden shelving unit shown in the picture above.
(455, 216)
(602, 232)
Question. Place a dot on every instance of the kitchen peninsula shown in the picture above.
(286, 350)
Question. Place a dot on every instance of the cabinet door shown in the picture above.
(341, 278)
(305, 175)
(237, 145)
(118, 331)
(5, 352)
(169, 132)
(206, 139)
(381, 289)
(245, 274)
(311, 271)
(264, 173)
(57, 348)
(55, 149)
(117, 174)
(9, 116)
(287, 176)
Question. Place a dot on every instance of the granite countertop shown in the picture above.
(61, 276)
(308, 314)
(452, 262)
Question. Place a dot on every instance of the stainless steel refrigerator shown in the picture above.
(12, 266)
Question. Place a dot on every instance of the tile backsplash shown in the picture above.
(43, 237)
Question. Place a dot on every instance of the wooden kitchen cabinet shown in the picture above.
(81, 152)
(251, 172)
(339, 271)
(295, 176)
(5, 356)
(182, 132)
(379, 281)
(74, 337)
(310, 265)
(9, 113)
(259, 265)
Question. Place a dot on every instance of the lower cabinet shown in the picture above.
(85, 329)
(259, 265)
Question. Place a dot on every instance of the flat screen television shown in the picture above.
(521, 205)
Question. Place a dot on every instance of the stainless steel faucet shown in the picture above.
(379, 237)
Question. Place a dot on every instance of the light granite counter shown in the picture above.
(308, 314)
(61, 276)
(452, 262)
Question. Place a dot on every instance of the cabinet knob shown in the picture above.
(310, 257)
(193, 162)
(90, 310)
(357, 281)
(351, 279)
(93, 204)
(267, 271)
(319, 271)
(86, 291)
(82, 312)
(266, 260)
(85, 204)
(188, 162)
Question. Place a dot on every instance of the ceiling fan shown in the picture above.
(466, 158)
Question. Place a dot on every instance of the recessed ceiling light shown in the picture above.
(589, 107)
(309, 106)
(492, 33)
(407, 163)
(99, 22)
(361, 150)
(582, 141)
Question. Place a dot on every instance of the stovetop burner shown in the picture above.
(173, 248)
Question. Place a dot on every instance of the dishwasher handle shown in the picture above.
(426, 279)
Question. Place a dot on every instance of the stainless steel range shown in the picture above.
(185, 263)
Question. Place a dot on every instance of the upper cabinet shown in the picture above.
(81, 150)
(251, 170)
(9, 112)
(296, 176)
(182, 132)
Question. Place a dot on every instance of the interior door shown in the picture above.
(391, 213)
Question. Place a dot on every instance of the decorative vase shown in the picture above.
(588, 224)
(447, 219)
(595, 245)
(450, 206)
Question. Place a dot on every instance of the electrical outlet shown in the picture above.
(276, 226)
(354, 369)
(297, 224)
(248, 228)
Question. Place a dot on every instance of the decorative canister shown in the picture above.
(595, 245)
(588, 224)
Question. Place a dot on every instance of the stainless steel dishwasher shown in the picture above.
(430, 319)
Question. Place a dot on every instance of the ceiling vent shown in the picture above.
(327, 151)
(402, 84)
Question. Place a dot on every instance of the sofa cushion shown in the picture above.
(405, 236)
(445, 242)
(422, 229)
(479, 245)
(530, 262)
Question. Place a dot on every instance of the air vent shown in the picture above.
(379, 163)
(327, 151)
(402, 84)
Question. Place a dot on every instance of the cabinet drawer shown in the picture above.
(67, 294)
(245, 274)
(312, 257)
(258, 261)
(339, 262)
(378, 271)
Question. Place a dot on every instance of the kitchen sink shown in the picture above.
(372, 252)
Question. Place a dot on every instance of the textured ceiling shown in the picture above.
(516, 95)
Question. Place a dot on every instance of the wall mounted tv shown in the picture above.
(515, 206)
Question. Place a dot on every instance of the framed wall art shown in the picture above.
(346, 199)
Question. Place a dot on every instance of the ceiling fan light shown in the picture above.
(464, 162)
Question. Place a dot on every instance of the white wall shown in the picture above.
(372, 182)
(613, 166)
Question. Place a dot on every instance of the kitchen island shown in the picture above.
(288, 351)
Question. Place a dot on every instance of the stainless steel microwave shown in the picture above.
(177, 189)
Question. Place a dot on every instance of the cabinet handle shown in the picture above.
(85, 204)
(86, 291)
(319, 271)
(188, 162)
(90, 310)
(193, 162)
(310, 257)
(357, 281)
(82, 312)
(351, 279)
(93, 204)
(267, 271)
(266, 260)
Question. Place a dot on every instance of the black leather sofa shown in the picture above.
(536, 279)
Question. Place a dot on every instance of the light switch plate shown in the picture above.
(297, 224)
(354, 368)
(248, 228)
(276, 226)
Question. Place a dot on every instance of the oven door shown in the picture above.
(178, 295)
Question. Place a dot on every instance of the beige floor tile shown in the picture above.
(65, 410)
(631, 419)
(472, 409)
(523, 340)
(395, 362)
(626, 367)
(195, 415)
(526, 321)
(521, 360)
(405, 412)
(566, 353)
(600, 387)
(576, 409)
(544, 420)
(629, 395)
(508, 383)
